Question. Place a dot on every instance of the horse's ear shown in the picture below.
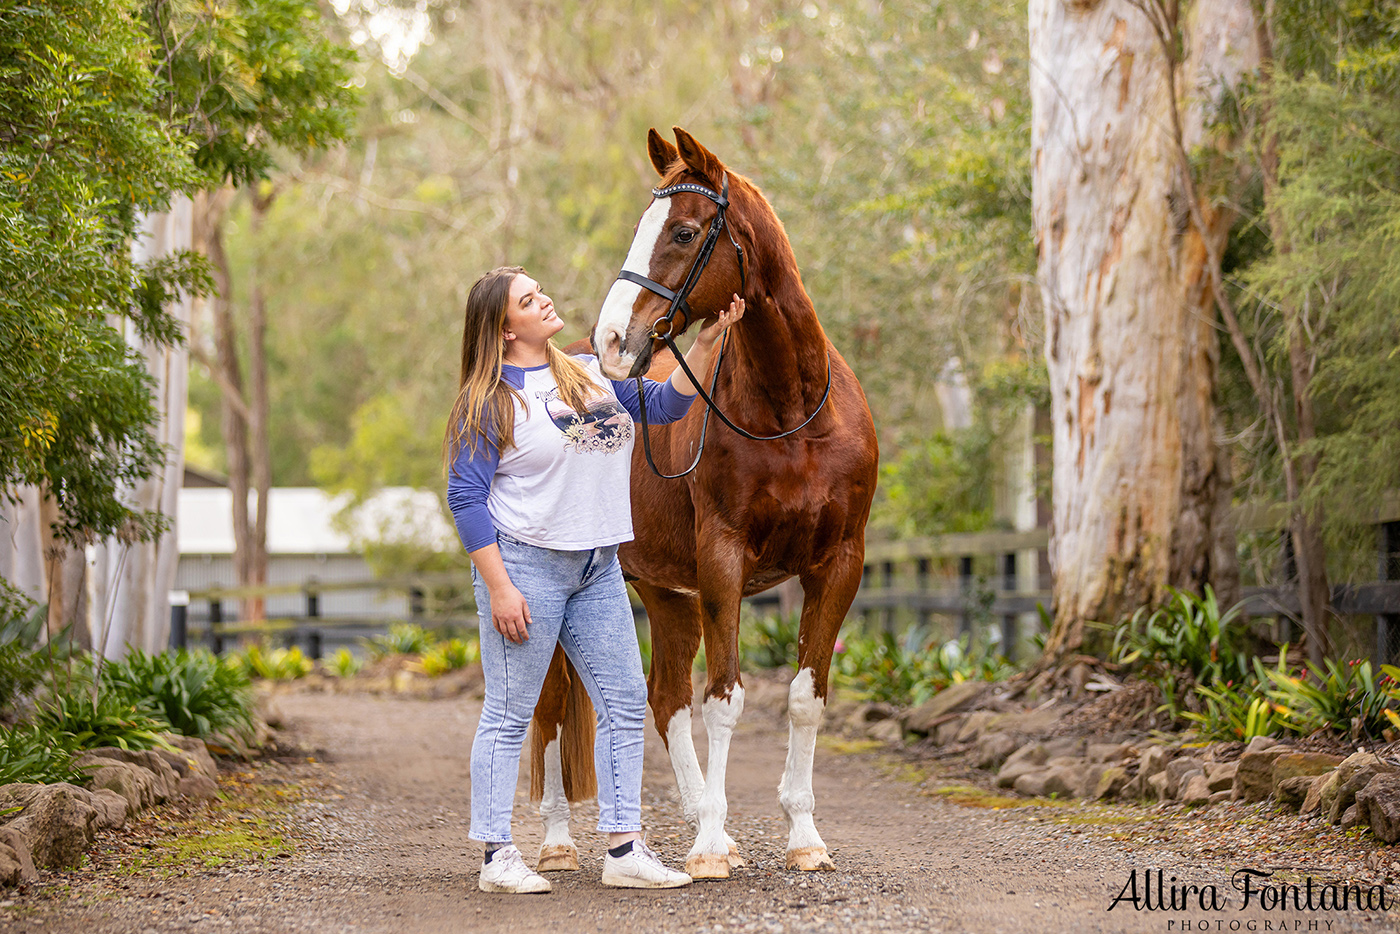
(697, 157)
(662, 152)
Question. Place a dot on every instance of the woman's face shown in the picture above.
(530, 316)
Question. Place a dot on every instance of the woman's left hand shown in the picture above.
(711, 330)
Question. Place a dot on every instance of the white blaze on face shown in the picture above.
(616, 314)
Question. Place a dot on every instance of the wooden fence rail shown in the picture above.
(984, 576)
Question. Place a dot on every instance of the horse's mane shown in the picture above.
(772, 249)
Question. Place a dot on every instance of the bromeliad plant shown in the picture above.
(83, 721)
(30, 753)
(1343, 697)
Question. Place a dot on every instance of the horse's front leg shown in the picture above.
(675, 637)
(721, 575)
(826, 599)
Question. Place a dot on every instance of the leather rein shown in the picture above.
(677, 298)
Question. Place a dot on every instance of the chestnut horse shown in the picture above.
(752, 514)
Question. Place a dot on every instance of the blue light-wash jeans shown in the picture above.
(578, 600)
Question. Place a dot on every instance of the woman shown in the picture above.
(540, 452)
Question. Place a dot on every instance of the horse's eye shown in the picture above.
(685, 235)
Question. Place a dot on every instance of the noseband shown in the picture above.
(663, 328)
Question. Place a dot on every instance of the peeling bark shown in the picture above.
(1140, 486)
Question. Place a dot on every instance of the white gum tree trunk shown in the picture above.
(1140, 486)
(129, 595)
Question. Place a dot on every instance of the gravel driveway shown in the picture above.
(380, 821)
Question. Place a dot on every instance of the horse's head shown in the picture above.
(669, 252)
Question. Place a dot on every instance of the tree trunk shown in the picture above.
(134, 579)
(1140, 488)
(259, 445)
(228, 373)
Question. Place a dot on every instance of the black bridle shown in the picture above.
(678, 302)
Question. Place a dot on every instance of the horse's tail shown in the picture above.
(564, 713)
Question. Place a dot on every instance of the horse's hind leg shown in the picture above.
(548, 732)
(827, 597)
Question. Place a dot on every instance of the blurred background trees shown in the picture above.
(895, 141)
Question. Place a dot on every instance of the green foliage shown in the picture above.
(87, 722)
(770, 641)
(449, 655)
(195, 692)
(401, 639)
(82, 154)
(908, 671)
(22, 662)
(1234, 712)
(246, 77)
(32, 753)
(269, 663)
(1344, 698)
(344, 664)
(1186, 635)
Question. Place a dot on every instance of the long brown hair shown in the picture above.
(484, 399)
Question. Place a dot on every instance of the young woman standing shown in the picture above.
(539, 448)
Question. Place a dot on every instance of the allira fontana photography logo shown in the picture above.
(1154, 890)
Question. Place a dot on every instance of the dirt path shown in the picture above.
(385, 849)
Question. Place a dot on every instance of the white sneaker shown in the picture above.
(640, 869)
(507, 872)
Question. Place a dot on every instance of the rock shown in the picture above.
(111, 809)
(1107, 752)
(1109, 783)
(16, 865)
(1064, 760)
(1156, 788)
(975, 724)
(194, 747)
(1030, 783)
(1260, 743)
(134, 784)
(1196, 791)
(1353, 774)
(1379, 804)
(167, 780)
(1030, 722)
(1351, 817)
(1313, 801)
(1216, 797)
(198, 787)
(993, 750)
(57, 823)
(946, 733)
(951, 699)
(1254, 777)
(875, 711)
(1302, 764)
(1178, 771)
(1153, 760)
(1293, 791)
(886, 731)
(1066, 781)
(1029, 758)
(1221, 775)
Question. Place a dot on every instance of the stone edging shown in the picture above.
(58, 823)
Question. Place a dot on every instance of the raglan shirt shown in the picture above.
(564, 485)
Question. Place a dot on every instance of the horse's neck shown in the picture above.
(780, 350)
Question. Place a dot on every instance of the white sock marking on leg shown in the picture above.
(721, 716)
(795, 790)
(554, 805)
(690, 781)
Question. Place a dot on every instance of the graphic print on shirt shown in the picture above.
(605, 428)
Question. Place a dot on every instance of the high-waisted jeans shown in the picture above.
(578, 600)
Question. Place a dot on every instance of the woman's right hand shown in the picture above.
(510, 614)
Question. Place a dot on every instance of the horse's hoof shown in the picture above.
(810, 859)
(557, 857)
(734, 859)
(707, 866)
